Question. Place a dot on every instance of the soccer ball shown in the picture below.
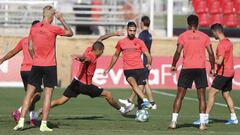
(142, 115)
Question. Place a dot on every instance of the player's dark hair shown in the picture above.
(217, 27)
(146, 21)
(98, 46)
(35, 22)
(192, 21)
(131, 24)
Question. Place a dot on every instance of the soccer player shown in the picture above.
(224, 74)
(82, 82)
(132, 48)
(25, 71)
(42, 40)
(193, 43)
(147, 38)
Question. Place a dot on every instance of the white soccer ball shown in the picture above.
(142, 115)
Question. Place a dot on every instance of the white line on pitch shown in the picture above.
(189, 98)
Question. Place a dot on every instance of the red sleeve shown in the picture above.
(221, 49)
(143, 47)
(118, 46)
(181, 40)
(19, 45)
(58, 30)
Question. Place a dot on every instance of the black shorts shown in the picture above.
(187, 76)
(137, 74)
(222, 83)
(76, 88)
(146, 73)
(47, 75)
(25, 75)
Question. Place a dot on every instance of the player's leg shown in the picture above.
(49, 81)
(149, 93)
(201, 83)
(129, 100)
(34, 80)
(185, 81)
(228, 99)
(181, 92)
(25, 106)
(202, 107)
(17, 113)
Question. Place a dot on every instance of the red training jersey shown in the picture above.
(27, 59)
(225, 49)
(87, 69)
(43, 36)
(194, 45)
(131, 52)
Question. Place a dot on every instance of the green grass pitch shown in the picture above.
(86, 116)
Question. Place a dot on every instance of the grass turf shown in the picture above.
(87, 116)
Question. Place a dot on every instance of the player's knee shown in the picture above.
(225, 95)
(108, 95)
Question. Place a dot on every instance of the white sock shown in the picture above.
(145, 100)
(20, 109)
(44, 122)
(122, 109)
(174, 117)
(202, 118)
(233, 116)
(32, 115)
(206, 116)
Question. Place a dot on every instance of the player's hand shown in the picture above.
(106, 71)
(173, 69)
(149, 67)
(212, 72)
(59, 16)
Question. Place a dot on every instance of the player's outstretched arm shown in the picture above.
(106, 36)
(176, 56)
(9, 55)
(211, 58)
(113, 61)
(68, 30)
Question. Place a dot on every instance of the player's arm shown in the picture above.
(176, 56)
(30, 48)
(113, 61)
(149, 59)
(211, 58)
(68, 30)
(9, 55)
(106, 36)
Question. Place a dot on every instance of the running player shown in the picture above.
(24, 71)
(132, 48)
(82, 82)
(146, 37)
(42, 40)
(193, 43)
(224, 75)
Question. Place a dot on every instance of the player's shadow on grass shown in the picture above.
(50, 125)
(132, 116)
(88, 118)
(186, 125)
(216, 121)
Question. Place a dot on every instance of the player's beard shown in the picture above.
(131, 36)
